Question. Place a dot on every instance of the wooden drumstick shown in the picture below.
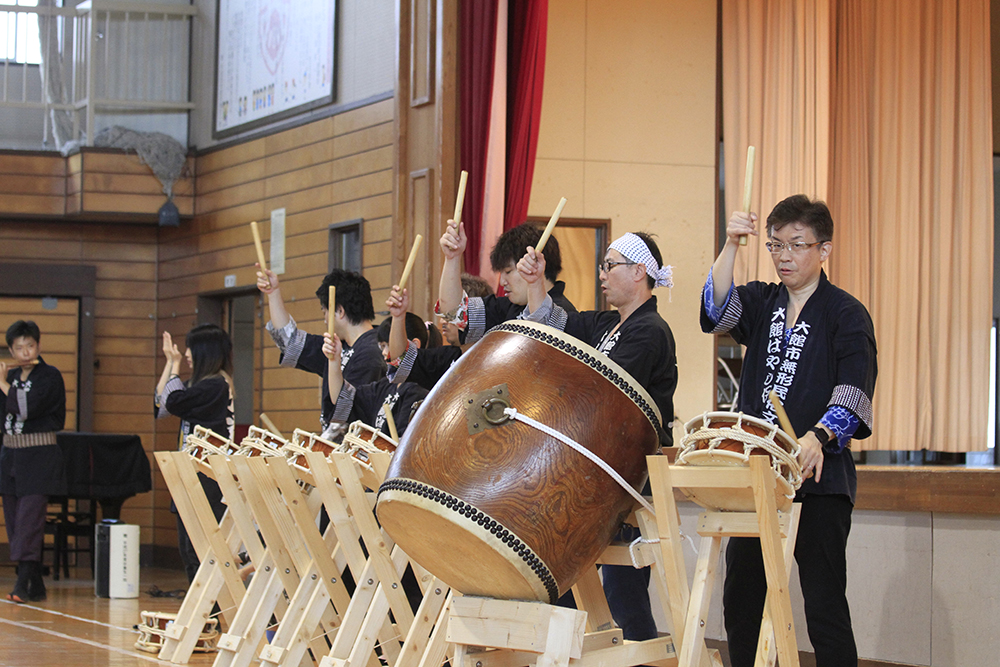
(409, 262)
(269, 425)
(260, 248)
(387, 409)
(748, 185)
(779, 409)
(552, 225)
(331, 309)
(459, 200)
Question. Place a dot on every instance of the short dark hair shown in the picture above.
(415, 328)
(799, 208)
(23, 329)
(654, 251)
(354, 294)
(434, 336)
(513, 244)
(211, 351)
(476, 286)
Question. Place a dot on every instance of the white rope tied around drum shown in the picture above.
(751, 441)
(642, 540)
(513, 413)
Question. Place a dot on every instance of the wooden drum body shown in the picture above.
(496, 507)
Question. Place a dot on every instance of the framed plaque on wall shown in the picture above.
(274, 59)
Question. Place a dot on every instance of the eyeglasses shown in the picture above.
(607, 265)
(794, 248)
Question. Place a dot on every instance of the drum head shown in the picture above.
(465, 554)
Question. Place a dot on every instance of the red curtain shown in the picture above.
(476, 44)
(527, 27)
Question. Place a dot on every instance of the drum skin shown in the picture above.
(510, 512)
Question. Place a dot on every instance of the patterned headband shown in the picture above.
(634, 248)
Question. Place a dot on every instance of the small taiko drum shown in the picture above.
(204, 442)
(361, 441)
(153, 627)
(302, 443)
(497, 507)
(730, 439)
(259, 442)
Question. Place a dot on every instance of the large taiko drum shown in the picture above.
(496, 507)
(730, 439)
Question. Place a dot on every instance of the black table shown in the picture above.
(105, 467)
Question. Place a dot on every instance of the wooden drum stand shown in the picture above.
(501, 633)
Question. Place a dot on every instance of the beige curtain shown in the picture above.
(909, 169)
(776, 97)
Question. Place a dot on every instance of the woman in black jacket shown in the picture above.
(204, 400)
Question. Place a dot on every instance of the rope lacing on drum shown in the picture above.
(513, 413)
(751, 441)
(642, 540)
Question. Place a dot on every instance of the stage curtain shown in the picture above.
(527, 21)
(913, 192)
(776, 61)
(476, 46)
(884, 110)
(494, 189)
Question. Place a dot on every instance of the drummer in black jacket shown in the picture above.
(640, 341)
(476, 316)
(366, 402)
(31, 463)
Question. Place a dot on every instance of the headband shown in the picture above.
(634, 248)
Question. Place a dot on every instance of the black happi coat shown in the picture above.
(365, 403)
(429, 365)
(830, 360)
(361, 363)
(34, 470)
(205, 403)
(490, 311)
(643, 346)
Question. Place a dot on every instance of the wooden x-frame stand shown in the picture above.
(272, 511)
(299, 573)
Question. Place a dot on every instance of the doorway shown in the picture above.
(237, 312)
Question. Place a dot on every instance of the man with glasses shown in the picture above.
(636, 338)
(814, 345)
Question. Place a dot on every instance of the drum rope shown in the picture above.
(512, 412)
(750, 441)
(642, 540)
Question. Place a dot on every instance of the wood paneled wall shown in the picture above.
(124, 328)
(334, 170)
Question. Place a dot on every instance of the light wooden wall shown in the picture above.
(124, 376)
(637, 145)
(333, 170)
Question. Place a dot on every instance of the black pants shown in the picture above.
(821, 554)
(627, 590)
(25, 520)
(188, 554)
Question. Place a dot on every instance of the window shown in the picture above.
(345, 245)
(19, 33)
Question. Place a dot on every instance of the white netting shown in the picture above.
(162, 153)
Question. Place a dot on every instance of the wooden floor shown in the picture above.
(74, 627)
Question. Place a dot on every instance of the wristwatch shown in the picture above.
(821, 435)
